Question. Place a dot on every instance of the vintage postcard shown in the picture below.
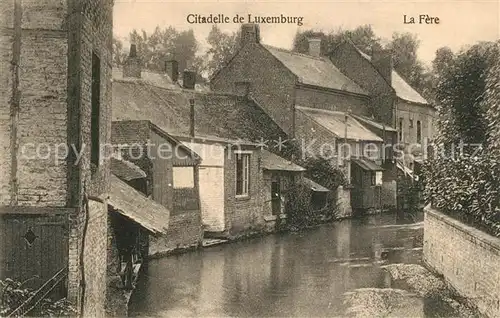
(250, 158)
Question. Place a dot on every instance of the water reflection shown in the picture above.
(303, 274)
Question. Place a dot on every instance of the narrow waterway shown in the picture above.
(301, 275)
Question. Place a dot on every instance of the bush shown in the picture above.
(322, 171)
(12, 295)
(466, 188)
(298, 207)
(409, 190)
(300, 213)
(466, 185)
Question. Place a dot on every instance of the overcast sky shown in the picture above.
(461, 22)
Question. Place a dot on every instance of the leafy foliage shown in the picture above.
(222, 48)
(301, 214)
(300, 210)
(460, 91)
(363, 37)
(492, 103)
(322, 171)
(466, 188)
(161, 44)
(466, 185)
(13, 294)
(404, 47)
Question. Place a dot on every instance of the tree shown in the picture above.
(363, 37)
(404, 47)
(492, 103)
(443, 60)
(162, 44)
(185, 47)
(222, 48)
(460, 92)
(119, 54)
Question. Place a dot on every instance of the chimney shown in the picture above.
(132, 65)
(242, 89)
(250, 33)
(382, 60)
(172, 70)
(314, 46)
(191, 117)
(188, 79)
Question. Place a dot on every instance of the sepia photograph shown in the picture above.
(250, 158)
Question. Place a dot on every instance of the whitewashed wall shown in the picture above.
(211, 178)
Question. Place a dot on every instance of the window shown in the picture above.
(183, 177)
(419, 132)
(371, 151)
(373, 180)
(411, 123)
(378, 178)
(242, 174)
(400, 129)
(95, 112)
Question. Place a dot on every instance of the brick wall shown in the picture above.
(46, 77)
(5, 97)
(466, 257)
(243, 215)
(271, 84)
(312, 136)
(39, 107)
(422, 113)
(95, 258)
(184, 231)
(362, 72)
(334, 101)
(184, 225)
(90, 33)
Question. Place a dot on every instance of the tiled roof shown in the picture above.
(270, 161)
(373, 123)
(156, 79)
(334, 121)
(315, 186)
(315, 71)
(367, 164)
(403, 89)
(216, 115)
(126, 170)
(134, 205)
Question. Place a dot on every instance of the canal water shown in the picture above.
(305, 274)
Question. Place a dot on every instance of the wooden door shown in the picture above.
(33, 248)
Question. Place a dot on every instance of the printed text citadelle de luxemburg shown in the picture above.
(243, 18)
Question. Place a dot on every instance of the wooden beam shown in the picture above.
(35, 210)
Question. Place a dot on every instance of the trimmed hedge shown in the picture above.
(467, 189)
(462, 183)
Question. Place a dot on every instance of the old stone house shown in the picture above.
(290, 85)
(56, 93)
(227, 131)
(171, 178)
(132, 219)
(404, 108)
